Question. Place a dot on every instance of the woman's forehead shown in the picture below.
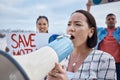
(77, 17)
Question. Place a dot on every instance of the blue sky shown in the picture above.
(22, 14)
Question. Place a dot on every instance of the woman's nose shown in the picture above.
(42, 26)
(71, 28)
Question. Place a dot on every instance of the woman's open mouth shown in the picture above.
(72, 37)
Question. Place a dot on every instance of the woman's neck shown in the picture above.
(81, 51)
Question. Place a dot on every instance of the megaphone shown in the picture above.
(35, 65)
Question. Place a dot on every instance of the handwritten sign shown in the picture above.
(24, 43)
(97, 2)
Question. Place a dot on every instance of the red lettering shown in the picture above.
(21, 41)
(28, 50)
(22, 51)
(31, 40)
(12, 37)
(26, 42)
(16, 53)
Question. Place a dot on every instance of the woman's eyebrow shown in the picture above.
(77, 22)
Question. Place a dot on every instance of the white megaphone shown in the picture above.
(35, 65)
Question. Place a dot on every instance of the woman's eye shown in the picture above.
(69, 24)
(39, 23)
(44, 24)
(78, 24)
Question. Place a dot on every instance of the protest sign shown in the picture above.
(24, 43)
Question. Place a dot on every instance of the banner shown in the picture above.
(24, 43)
(97, 2)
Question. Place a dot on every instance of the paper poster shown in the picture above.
(24, 43)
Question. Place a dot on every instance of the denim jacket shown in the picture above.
(102, 32)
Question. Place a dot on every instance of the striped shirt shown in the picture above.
(98, 65)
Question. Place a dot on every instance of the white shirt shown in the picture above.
(97, 66)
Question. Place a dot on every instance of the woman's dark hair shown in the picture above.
(42, 17)
(91, 42)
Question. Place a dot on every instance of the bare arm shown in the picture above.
(88, 5)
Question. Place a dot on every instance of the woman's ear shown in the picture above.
(91, 32)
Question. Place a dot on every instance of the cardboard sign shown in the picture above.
(97, 2)
(24, 43)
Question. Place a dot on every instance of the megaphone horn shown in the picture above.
(38, 63)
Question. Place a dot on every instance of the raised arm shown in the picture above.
(88, 5)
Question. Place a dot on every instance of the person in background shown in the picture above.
(42, 24)
(85, 62)
(109, 38)
(3, 43)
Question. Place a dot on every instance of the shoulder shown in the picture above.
(118, 28)
(103, 55)
(53, 37)
(117, 32)
(101, 28)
